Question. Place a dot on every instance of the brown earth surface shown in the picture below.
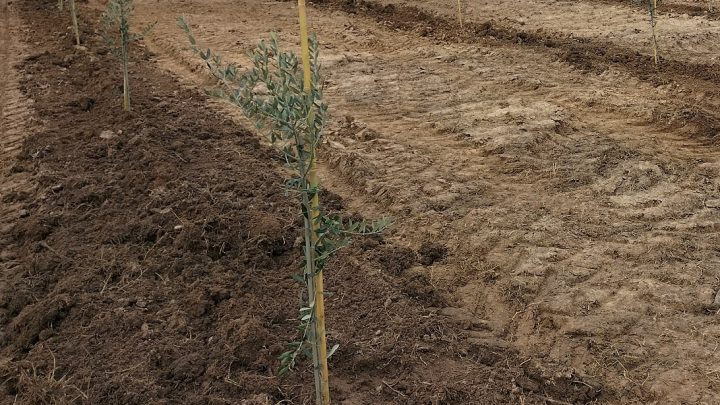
(573, 182)
(555, 196)
(147, 256)
(706, 8)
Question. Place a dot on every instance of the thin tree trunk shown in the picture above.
(126, 78)
(73, 11)
(460, 12)
(652, 5)
(310, 281)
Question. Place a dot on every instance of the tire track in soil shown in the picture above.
(585, 54)
(694, 10)
(15, 115)
(558, 313)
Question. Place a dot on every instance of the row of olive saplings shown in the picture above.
(652, 12)
(118, 11)
(291, 110)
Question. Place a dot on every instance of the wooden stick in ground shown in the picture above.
(314, 278)
(460, 12)
(126, 77)
(652, 5)
(73, 11)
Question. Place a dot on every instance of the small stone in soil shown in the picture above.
(107, 134)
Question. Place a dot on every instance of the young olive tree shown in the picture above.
(116, 23)
(284, 98)
(652, 14)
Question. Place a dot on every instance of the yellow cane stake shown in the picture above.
(655, 53)
(460, 13)
(315, 280)
(126, 78)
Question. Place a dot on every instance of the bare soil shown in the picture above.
(555, 196)
(572, 183)
(147, 256)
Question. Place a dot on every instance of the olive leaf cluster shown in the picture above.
(271, 93)
(116, 20)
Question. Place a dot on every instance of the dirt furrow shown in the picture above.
(698, 81)
(707, 10)
(584, 52)
(680, 37)
(15, 122)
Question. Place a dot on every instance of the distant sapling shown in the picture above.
(116, 22)
(652, 11)
(652, 14)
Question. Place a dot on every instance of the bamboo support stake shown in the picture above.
(126, 78)
(460, 12)
(315, 279)
(73, 11)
